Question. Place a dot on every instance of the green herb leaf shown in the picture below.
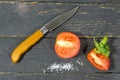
(102, 47)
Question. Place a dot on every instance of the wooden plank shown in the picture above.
(83, 77)
(42, 57)
(65, 1)
(58, 76)
(22, 19)
(21, 76)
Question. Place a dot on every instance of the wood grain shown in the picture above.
(22, 19)
(36, 76)
(63, 1)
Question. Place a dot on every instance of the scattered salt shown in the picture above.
(64, 66)
(60, 67)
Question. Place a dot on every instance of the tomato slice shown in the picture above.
(99, 61)
(67, 45)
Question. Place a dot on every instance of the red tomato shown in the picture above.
(99, 56)
(99, 61)
(67, 45)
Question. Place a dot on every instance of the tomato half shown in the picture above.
(99, 61)
(67, 45)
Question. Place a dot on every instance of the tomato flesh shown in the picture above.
(99, 61)
(67, 45)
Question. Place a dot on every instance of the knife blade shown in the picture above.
(38, 34)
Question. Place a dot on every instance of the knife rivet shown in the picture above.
(44, 29)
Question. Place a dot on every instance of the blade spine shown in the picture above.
(45, 25)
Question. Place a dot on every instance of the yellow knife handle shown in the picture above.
(25, 45)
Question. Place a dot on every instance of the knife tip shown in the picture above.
(76, 8)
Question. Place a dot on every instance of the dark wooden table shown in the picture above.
(95, 18)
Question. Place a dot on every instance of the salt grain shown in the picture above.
(79, 62)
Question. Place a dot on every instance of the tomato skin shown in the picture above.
(99, 61)
(67, 45)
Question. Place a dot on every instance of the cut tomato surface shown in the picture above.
(67, 45)
(99, 61)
